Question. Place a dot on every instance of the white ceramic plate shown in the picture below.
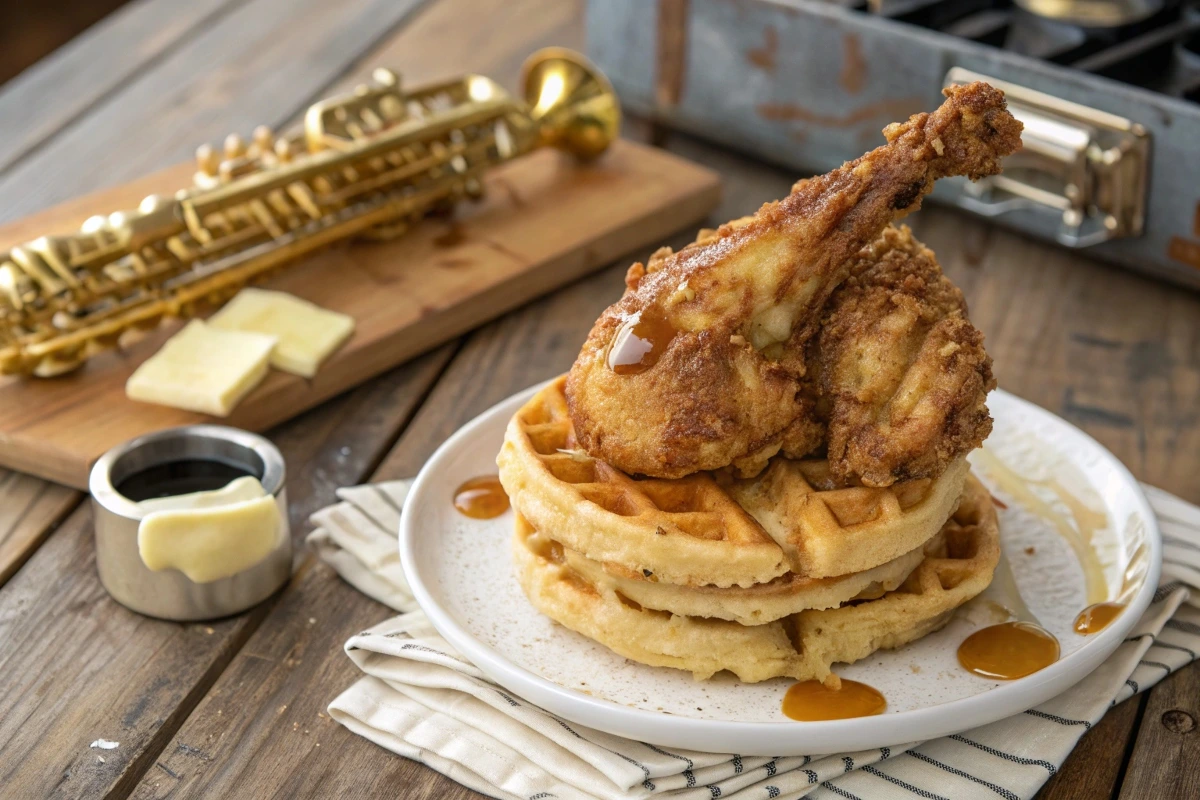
(461, 573)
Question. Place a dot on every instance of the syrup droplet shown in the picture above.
(812, 701)
(1008, 651)
(481, 498)
(640, 342)
(1096, 617)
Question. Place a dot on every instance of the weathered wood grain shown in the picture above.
(1167, 751)
(259, 63)
(29, 510)
(112, 53)
(79, 667)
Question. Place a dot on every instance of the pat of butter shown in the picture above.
(307, 333)
(210, 535)
(202, 369)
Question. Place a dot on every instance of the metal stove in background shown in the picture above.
(1109, 91)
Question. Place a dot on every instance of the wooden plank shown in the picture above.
(116, 51)
(1163, 763)
(258, 63)
(79, 667)
(29, 510)
(544, 221)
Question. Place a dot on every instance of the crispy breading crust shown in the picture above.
(903, 369)
(726, 390)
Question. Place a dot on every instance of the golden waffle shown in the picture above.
(825, 530)
(803, 646)
(691, 531)
(752, 605)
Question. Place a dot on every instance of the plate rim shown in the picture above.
(781, 737)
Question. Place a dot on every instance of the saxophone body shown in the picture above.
(369, 163)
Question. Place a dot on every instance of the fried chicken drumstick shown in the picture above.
(700, 364)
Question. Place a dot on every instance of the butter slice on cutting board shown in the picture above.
(203, 368)
(307, 333)
(210, 535)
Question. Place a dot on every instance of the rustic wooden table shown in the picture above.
(236, 708)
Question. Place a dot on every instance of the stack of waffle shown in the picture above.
(781, 575)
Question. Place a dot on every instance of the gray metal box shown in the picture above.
(1108, 167)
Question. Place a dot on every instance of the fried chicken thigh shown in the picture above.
(701, 364)
(901, 372)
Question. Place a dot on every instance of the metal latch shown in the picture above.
(1088, 166)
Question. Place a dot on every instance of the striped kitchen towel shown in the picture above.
(420, 699)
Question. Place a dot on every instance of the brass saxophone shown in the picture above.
(367, 163)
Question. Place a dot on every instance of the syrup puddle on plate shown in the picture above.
(813, 701)
(1097, 617)
(1008, 651)
(481, 498)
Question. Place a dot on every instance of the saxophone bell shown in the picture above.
(571, 101)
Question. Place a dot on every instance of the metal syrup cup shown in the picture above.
(169, 594)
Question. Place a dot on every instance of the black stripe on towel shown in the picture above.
(903, 785)
(1000, 790)
(1029, 762)
(1158, 664)
(1033, 712)
(842, 792)
(1176, 541)
(1191, 653)
(642, 767)
(387, 499)
(1182, 625)
(566, 727)
(662, 752)
(1164, 591)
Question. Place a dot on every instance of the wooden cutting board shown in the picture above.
(544, 222)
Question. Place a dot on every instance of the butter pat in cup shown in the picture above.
(191, 523)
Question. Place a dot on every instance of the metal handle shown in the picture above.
(1088, 167)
